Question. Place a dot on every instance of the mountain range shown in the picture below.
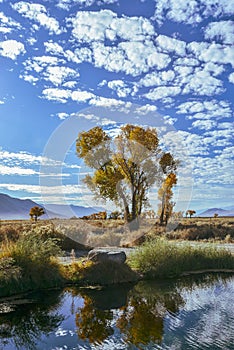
(15, 209)
(221, 212)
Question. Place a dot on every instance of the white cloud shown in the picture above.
(132, 58)
(11, 49)
(204, 124)
(157, 78)
(38, 13)
(2, 102)
(100, 101)
(67, 4)
(56, 94)
(145, 109)
(222, 31)
(29, 78)
(15, 170)
(120, 87)
(62, 115)
(231, 78)
(202, 83)
(191, 12)
(81, 96)
(7, 24)
(97, 26)
(205, 109)
(58, 74)
(213, 52)
(46, 190)
(187, 61)
(162, 92)
(168, 44)
(135, 51)
(50, 68)
(53, 48)
(39, 63)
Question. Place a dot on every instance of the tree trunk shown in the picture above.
(162, 211)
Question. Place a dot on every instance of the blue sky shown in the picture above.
(67, 65)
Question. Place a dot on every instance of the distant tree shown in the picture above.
(216, 215)
(124, 173)
(35, 212)
(115, 215)
(190, 213)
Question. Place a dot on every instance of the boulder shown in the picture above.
(105, 256)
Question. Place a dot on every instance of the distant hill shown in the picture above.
(219, 211)
(18, 209)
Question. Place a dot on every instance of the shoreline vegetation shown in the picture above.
(28, 259)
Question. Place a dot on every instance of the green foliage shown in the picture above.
(159, 258)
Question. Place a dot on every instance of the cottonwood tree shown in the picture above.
(165, 196)
(125, 169)
(169, 166)
(35, 212)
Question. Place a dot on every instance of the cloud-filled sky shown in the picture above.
(64, 61)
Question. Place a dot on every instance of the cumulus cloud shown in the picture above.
(213, 52)
(38, 13)
(56, 94)
(204, 124)
(134, 53)
(162, 92)
(11, 49)
(81, 96)
(7, 24)
(67, 4)
(145, 109)
(90, 26)
(231, 78)
(57, 75)
(202, 83)
(157, 78)
(119, 87)
(222, 31)
(205, 109)
(171, 45)
(191, 12)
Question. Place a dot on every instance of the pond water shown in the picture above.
(189, 313)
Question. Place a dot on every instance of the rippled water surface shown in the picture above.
(190, 313)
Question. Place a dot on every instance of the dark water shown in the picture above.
(190, 313)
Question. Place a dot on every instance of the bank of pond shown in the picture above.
(31, 263)
(192, 312)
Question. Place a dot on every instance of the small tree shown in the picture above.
(35, 212)
(216, 215)
(190, 213)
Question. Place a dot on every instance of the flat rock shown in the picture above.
(105, 256)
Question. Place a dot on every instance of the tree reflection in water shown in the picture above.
(24, 326)
(140, 316)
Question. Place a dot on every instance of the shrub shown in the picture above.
(159, 258)
(32, 256)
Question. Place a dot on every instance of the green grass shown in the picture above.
(159, 258)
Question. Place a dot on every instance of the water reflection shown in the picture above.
(189, 313)
(28, 319)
